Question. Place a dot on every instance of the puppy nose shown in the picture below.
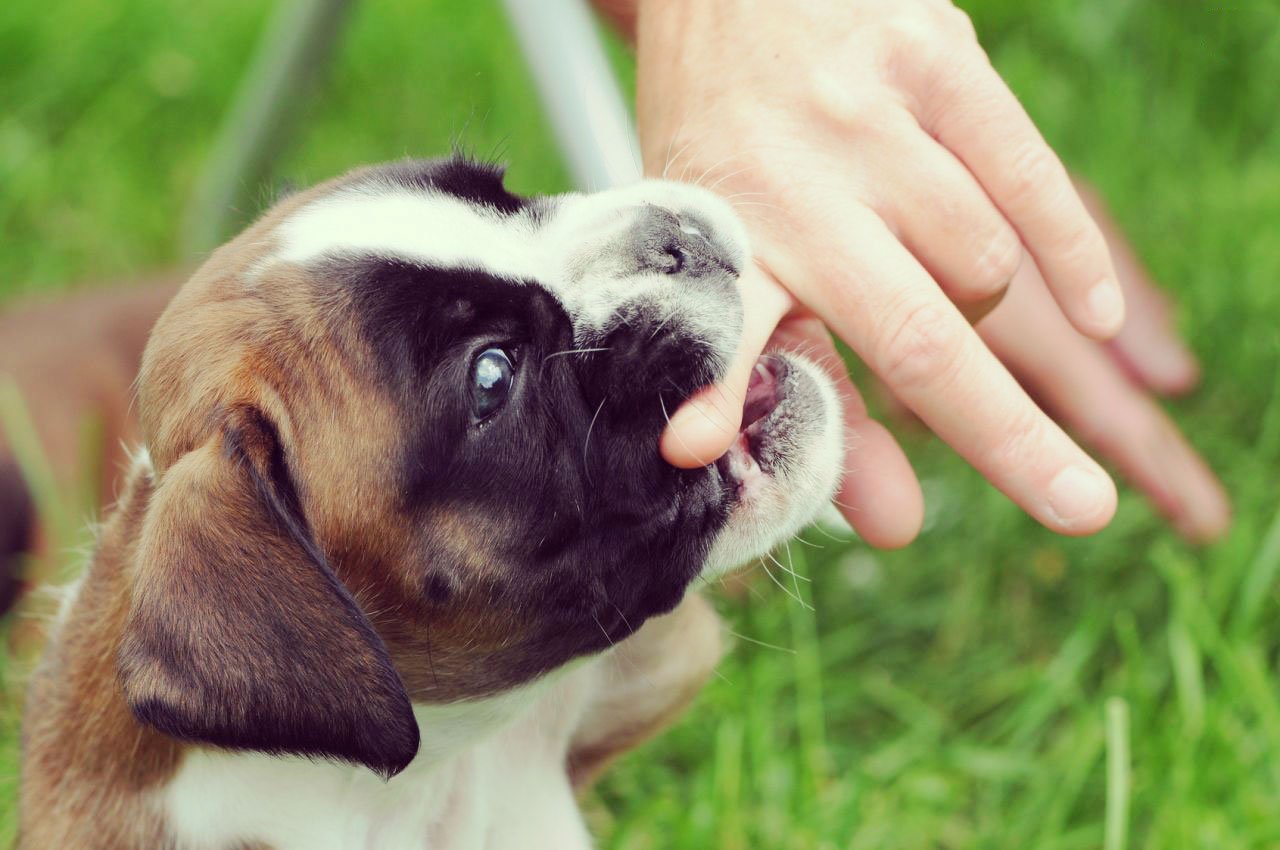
(675, 244)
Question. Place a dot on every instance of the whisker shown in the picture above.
(626, 659)
(603, 630)
(706, 173)
(739, 636)
(795, 577)
(662, 325)
(587, 442)
(684, 119)
(734, 174)
(662, 402)
(780, 585)
(726, 424)
(800, 539)
(737, 204)
(818, 527)
(625, 621)
(573, 351)
(789, 571)
(680, 153)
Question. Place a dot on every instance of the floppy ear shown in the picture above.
(239, 634)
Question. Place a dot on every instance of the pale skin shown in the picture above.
(894, 188)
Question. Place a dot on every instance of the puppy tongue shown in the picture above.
(762, 393)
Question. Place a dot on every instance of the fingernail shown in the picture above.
(1076, 495)
(1106, 306)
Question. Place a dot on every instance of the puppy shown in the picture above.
(395, 567)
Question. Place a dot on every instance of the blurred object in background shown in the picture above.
(588, 114)
(68, 366)
(17, 521)
(293, 52)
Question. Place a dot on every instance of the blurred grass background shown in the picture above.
(993, 686)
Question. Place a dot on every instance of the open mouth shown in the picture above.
(747, 459)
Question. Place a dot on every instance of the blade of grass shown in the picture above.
(1117, 822)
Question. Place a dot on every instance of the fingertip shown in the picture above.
(1080, 500)
(1203, 531)
(1104, 310)
(880, 495)
(1173, 371)
(700, 432)
(897, 533)
(1206, 508)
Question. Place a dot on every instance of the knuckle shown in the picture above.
(1031, 171)
(959, 22)
(909, 31)
(1021, 443)
(910, 36)
(923, 349)
(995, 267)
(1082, 245)
(839, 103)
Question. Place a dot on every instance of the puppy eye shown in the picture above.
(491, 378)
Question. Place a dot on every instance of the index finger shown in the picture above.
(881, 302)
(975, 116)
(706, 425)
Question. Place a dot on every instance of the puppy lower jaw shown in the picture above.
(785, 464)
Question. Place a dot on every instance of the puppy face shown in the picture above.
(436, 407)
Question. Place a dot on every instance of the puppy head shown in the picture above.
(405, 439)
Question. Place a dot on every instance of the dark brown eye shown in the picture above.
(491, 377)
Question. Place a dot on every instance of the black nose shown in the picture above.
(672, 244)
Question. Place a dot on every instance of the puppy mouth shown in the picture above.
(752, 455)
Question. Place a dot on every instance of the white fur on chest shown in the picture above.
(490, 775)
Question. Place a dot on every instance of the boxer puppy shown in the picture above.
(400, 562)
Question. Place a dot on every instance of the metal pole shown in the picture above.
(579, 92)
(294, 49)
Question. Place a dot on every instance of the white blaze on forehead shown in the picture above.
(548, 247)
(419, 226)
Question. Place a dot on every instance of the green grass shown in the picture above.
(993, 686)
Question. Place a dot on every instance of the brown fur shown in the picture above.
(214, 610)
(653, 677)
(87, 761)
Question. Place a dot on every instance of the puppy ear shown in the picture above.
(239, 634)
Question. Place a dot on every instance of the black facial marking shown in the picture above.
(560, 511)
(477, 182)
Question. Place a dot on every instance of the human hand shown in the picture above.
(889, 180)
(1103, 393)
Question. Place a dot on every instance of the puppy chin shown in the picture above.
(786, 465)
